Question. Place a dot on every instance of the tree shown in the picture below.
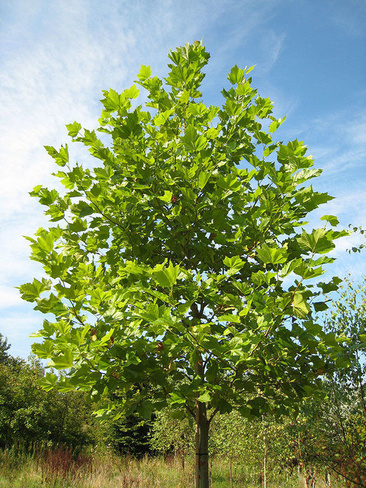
(331, 433)
(30, 416)
(166, 278)
(4, 347)
(170, 435)
(129, 435)
(346, 415)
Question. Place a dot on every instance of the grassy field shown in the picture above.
(59, 469)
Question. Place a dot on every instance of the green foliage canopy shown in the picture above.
(167, 263)
(345, 419)
(4, 347)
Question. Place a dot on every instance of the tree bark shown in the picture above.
(231, 473)
(202, 428)
(265, 464)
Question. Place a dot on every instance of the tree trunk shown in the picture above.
(202, 427)
(210, 471)
(327, 480)
(231, 473)
(264, 455)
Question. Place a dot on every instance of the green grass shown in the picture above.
(58, 469)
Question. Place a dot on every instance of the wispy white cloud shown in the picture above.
(337, 142)
(9, 297)
(58, 56)
(272, 45)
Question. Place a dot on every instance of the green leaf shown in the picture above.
(176, 398)
(272, 255)
(82, 209)
(112, 101)
(167, 197)
(245, 411)
(44, 350)
(73, 129)
(132, 92)
(229, 182)
(48, 382)
(248, 70)
(162, 117)
(236, 75)
(46, 197)
(234, 262)
(198, 109)
(308, 270)
(212, 371)
(107, 337)
(51, 304)
(166, 276)
(319, 241)
(63, 361)
(333, 285)
(61, 157)
(177, 414)
(275, 124)
(193, 141)
(331, 219)
(31, 291)
(320, 306)
(244, 288)
(224, 406)
(200, 143)
(204, 397)
(203, 179)
(230, 318)
(144, 73)
(300, 305)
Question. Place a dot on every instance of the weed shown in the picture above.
(62, 468)
(61, 464)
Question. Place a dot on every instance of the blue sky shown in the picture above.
(56, 57)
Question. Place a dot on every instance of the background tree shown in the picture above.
(129, 435)
(4, 347)
(170, 435)
(345, 422)
(166, 278)
(241, 441)
(330, 432)
(31, 417)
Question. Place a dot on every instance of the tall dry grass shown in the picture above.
(61, 468)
